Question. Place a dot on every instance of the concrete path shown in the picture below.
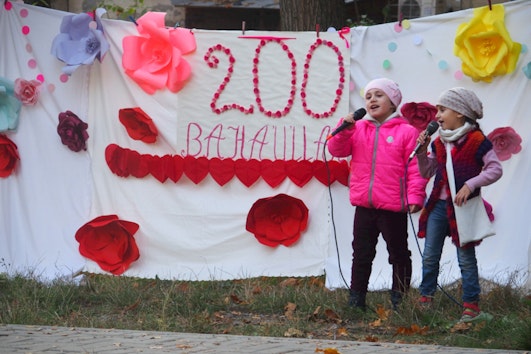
(46, 339)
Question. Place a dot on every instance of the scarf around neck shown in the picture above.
(448, 135)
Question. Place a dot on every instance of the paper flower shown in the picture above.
(485, 46)
(419, 114)
(80, 41)
(138, 124)
(277, 220)
(9, 106)
(8, 156)
(73, 131)
(109, 242)
(27, 91)
(506, 142)
(154, 59)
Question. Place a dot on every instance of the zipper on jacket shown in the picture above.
(373, 163)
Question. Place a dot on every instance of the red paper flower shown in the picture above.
(138, 124)
(73, 131)
(109, 242)
(277, 220)
(419, 114)
(27, 91)
(506, 142)
(8, 156)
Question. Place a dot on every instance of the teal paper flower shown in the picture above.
(9, 106)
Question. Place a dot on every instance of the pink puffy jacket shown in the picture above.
(379, 156)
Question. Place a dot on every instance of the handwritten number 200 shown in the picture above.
(213, 62)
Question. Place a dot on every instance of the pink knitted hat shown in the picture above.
(390, 88)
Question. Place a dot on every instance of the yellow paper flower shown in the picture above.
(485, 46)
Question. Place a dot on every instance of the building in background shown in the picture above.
(265, 14)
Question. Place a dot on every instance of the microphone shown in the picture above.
(360, 113)
(430, 129)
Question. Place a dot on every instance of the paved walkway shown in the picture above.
(46, 339)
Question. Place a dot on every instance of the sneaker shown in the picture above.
(471, 312)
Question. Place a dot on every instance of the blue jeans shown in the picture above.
(436, 232)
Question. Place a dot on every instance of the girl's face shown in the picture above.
(378, 104)
(449, 119)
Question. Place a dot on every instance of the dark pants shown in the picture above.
(368, 224)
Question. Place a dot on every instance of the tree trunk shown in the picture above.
(305, 15)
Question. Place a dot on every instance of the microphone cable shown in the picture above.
(329, 182)
(417, 239)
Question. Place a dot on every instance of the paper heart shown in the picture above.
(222, 170)
(273, 172)
(138, 167)
(247, 171)
(158, 169)
(321, 171)
(340, 169)
(115, 158)
(178, 168)
(299, 172)
(195, 169)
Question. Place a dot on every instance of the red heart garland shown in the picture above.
(273, 172)
(222, 170)
(195, 169)
(247, 171)
(299, 172)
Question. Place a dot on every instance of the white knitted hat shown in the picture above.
(462, 101)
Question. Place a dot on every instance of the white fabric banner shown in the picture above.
(196, 230)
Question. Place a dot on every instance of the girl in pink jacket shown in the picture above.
(384, 186)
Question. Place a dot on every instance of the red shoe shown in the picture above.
(425, 302)
(470, 312)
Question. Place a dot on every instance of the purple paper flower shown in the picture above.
(9, 106)
(80, 41)
(73, 131)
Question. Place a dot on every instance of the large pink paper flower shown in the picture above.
(277, 220)
(109, 241)
(419, 114)
(506, 142)
(154, 59)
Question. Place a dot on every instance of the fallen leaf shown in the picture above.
(327, 351)
(371, 338)
(289, 310)
(382, 313)
(289, 282)
(461, 326)
(293, 332)
(332, 316)
(342, 332)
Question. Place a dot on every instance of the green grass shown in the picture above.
(276, 307)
